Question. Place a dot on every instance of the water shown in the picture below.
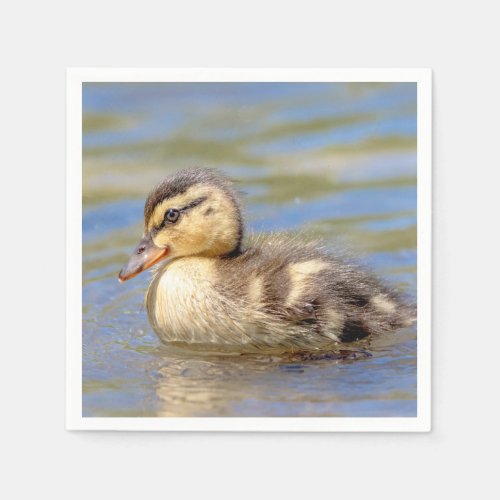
(337, 161)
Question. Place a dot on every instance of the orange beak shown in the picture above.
(145, 255)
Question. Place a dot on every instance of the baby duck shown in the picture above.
(278, 293)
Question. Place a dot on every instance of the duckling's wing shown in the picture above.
(299, 287)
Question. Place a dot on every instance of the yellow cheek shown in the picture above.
(184, 239)
(162, 239)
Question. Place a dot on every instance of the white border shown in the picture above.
(75, 78)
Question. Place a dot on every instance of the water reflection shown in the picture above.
(338, 383)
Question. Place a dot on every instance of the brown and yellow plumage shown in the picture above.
(277, 293)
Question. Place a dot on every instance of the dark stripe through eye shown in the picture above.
(172, 214)
(194, 203)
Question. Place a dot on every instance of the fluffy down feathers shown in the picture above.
(277, 294)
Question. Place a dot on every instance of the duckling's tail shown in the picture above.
(406, 315)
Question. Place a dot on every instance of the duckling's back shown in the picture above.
(314, 291)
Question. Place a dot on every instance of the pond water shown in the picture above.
(337, 161)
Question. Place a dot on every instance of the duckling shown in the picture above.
(209, 291)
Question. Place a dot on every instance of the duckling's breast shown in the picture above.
(186, 302)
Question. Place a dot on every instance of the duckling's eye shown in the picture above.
(172, 215)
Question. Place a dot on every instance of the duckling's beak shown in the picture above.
(145, 255)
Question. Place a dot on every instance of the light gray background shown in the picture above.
(458, 40)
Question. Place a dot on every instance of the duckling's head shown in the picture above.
(194, 212)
